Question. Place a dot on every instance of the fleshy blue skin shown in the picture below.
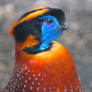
(50, 32)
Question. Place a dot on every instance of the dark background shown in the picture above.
(78, 39)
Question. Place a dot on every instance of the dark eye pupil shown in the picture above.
(49, 21)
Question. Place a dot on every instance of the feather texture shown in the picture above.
(50, 71)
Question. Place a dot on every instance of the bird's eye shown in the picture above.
(49, 21)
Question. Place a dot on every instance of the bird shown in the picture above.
(41, 63)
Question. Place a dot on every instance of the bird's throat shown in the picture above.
(24, 56)
(43, 47)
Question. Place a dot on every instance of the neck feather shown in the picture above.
(23, 57)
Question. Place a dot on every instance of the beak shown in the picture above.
(64, 27)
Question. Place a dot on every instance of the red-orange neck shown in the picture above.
(56, 51)
(55, 66)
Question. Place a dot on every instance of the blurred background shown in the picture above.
(78, 39)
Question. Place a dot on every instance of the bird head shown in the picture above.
(35, 31)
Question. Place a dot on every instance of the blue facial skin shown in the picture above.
(51, 30)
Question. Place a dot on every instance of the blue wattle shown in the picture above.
(48, 39)
(50, 32)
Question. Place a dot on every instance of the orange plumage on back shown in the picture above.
(38, 68)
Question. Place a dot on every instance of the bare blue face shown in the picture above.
(51, 30)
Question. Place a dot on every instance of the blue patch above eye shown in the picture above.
(48, 17)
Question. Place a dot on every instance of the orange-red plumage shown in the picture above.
(43, 72)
